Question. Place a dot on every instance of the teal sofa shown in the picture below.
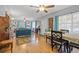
(23, 32)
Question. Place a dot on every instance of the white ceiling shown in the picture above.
(21, 11)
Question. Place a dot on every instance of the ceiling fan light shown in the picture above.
(41, 8)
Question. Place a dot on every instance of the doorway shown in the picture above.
(33, 26)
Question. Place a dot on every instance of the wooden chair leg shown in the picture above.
(52, 45)
(60, 49)
(64, 48)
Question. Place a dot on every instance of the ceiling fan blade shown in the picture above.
(37, 11)
(33, 6)
(45, 11)
(49, 6)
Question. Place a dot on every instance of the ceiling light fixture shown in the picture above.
(43, 7)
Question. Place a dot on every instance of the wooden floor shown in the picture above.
(37, 45)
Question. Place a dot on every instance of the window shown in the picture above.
(20, 24)
(76, 22)
(65, 22)
(70, 22)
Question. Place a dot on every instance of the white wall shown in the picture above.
(43, 25)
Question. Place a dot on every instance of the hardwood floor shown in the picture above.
(37, 45)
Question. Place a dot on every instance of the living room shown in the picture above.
(28, 25)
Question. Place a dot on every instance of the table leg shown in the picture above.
(46, 38)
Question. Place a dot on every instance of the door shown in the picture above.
(50, 22)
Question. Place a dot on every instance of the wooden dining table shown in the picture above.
(68, 37)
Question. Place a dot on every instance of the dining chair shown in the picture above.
(48, 37)
(56, 40)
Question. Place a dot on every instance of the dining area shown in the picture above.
(62, 32)
(63, 42)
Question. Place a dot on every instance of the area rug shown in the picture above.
(23, 40)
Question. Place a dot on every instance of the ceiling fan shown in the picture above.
(43, 7)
